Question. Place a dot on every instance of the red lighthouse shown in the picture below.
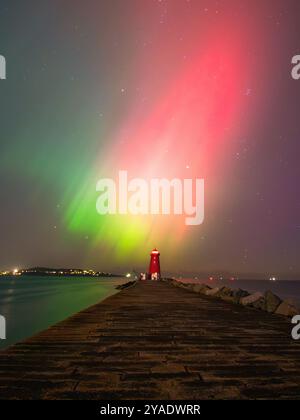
(154, 267)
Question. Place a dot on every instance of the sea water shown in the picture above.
(32, 304)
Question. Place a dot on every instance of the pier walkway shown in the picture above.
(156, 341)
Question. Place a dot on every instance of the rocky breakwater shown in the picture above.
(267, 301)
(126, 285)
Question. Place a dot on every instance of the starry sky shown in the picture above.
(160, 88)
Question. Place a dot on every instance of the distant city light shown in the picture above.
(128, 275)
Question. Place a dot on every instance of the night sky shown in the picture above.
(161, 88)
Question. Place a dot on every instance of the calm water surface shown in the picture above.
(31, 304)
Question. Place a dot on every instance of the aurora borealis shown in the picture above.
(160, 88)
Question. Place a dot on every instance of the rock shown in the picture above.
(249, 300)
(189, 286)
(212, 292)
(272, 302)
(177, 283)
(238, 294)
(197, 288)
(125, 285)
(267, 302)
(231, 295)
(259, 304)
(225, 293)
(287, 309)
(201, 288)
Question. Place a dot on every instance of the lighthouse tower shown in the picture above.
(154, 267)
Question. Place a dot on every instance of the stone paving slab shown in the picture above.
(157, 341)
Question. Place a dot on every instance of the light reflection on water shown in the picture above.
(31, 304)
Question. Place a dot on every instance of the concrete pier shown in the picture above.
(156, 341)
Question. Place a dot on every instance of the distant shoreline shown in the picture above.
(72, 275)
(58, 272)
